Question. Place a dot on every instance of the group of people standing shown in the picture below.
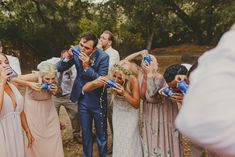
(81, 84)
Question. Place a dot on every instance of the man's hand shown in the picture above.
(85, 61)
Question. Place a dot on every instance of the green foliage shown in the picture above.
(47, 27)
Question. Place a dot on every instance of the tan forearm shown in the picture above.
(24, 122)
(29, 77)
(20, 82)
(133, 56)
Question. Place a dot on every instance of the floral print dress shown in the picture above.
(160, 137)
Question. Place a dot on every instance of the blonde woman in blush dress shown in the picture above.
(126, 101)
(160, 137)
(41, 114)
(12, 116)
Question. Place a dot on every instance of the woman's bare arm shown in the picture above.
(28, 80)
(26, 129)
(136, 54)
(133, 99)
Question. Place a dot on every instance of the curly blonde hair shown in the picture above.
(124, 68)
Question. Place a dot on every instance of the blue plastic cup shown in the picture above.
(147, 59)
(168, 91)
(12, 73)
(76, 52)
(46, 86)
(182, 86)
(112, 84)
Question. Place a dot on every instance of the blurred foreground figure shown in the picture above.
(207, 114)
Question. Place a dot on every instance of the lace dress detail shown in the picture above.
(127, 141)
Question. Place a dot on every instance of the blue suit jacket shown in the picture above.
(98, 68)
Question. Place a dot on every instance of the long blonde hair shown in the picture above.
(123, 67)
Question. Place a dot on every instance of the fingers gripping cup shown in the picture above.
(183, 86)
(112, 84)
(46, 86)
(168, 91)
(12, 72)
(147, 59)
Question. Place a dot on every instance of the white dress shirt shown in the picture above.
(114, 57)
(207, 115)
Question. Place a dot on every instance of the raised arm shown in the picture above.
(136, 54)
(28, 80)
(63, 66)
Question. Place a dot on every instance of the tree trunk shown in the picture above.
(150, 40)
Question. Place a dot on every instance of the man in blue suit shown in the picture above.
(92, 64)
